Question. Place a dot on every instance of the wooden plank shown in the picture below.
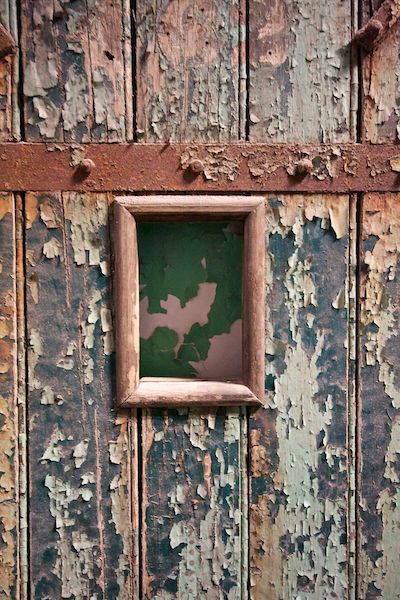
(193, 500)
(77, 76)
(83, 473)
(81, 451)
(12, 540)
(9, 517)
(380, 75)
(379, 425)
(300, 91)
(300, 76)
(298, 459)
(9, 113)
(379, 443)
(187, 70)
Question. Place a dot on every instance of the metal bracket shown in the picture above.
(206, 168)
(382, 20)
(7, 43)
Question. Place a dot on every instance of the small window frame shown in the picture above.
(133, 391)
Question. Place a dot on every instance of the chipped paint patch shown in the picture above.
(298, 453)
(9, 518)
(379, 426)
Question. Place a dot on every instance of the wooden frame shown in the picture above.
(132, 391)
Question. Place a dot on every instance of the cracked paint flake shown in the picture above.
(196, 458)
(78, 89)
(381, 112)
(197, 566)
(307, 98)
(380, 437)
(298, 455)
(9, 524)
(182, 96)
(71, 396)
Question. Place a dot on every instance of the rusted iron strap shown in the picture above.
(232, 167)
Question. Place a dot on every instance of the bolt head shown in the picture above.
(86, 166)
(303, 167)
(196, 165)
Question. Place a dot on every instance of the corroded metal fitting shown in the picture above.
(196, 165)
(86, 166)
(303, 167)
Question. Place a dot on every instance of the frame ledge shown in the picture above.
(178, 393)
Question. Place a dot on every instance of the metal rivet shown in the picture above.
(303, 167)
(86, 166)
(196, 165)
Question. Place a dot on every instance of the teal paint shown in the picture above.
(175, 259)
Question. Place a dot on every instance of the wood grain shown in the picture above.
(187, 70)
(380, 106)
(82, 521)
(9, 75)
(300, 91)
(300, 76)
(81, 452)
(126, 303)
(126, 294)
(9, 460)
(254, 301)
(298, 453)
(175, 394)
(379, 443)
(77, 70)
(198, 205)
(193, 477)
(379, 473)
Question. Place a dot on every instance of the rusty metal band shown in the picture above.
(232, 167)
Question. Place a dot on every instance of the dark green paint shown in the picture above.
(171, 262)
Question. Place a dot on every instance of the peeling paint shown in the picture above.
(79, 519)
(9, 493)
(379, 426)
(182, 95)
(298, 509)
(76, 90)
(300, 89)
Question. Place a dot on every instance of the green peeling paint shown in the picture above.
(174, 260)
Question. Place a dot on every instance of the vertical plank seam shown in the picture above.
(243, 74)
(247, 129)
(136, 438)
(351, 394)
(22, 394)
(357, 395)
(92, 116)
(17, 80)
(357, 372)
(133, 7)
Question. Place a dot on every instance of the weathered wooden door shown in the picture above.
(299, 500)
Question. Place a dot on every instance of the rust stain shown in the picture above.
(225, 167)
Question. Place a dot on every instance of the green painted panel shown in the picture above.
(190, 299)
